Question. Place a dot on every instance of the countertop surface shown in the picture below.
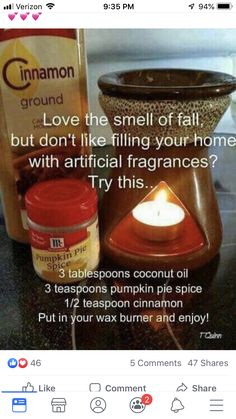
(22, 296)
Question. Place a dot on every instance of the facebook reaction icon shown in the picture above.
(12, 363)
(19, 405)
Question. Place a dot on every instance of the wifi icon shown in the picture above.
(50, 5)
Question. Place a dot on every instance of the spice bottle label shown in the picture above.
(42, 74)
(57, 256)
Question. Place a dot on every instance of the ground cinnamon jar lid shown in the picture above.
(61, 203)
(63, 229)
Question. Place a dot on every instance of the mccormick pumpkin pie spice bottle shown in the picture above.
(63, 225)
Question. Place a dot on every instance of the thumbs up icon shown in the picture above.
(12, 363)
(28, 388)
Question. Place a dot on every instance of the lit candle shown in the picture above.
(158, 220)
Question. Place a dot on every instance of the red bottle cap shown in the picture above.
(61, 202)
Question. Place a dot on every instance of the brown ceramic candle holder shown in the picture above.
(161, 92)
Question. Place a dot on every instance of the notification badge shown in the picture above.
(146, 399)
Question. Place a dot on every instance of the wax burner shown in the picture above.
(128, 238)
(170, 233)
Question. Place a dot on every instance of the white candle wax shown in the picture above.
(152, 214)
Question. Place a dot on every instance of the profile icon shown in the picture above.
(98, 405)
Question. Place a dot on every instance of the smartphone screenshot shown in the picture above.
(117, 209)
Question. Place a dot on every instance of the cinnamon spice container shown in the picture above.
(42, 71)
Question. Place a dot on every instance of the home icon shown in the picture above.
(58, 405)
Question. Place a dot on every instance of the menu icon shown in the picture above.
(216, 405)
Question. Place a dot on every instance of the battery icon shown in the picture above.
(224, 6)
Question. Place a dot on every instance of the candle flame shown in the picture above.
(161, 198)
